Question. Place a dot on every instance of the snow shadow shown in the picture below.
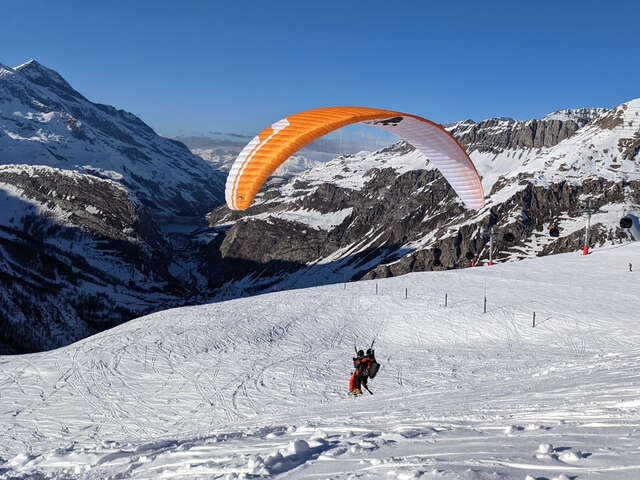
(64, 278)
(233, 277)
(297, 453)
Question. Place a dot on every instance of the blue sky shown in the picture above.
(192, 67)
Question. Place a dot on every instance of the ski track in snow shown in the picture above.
(256, 386)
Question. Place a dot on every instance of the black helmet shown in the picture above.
(369, 352)
(361, 353)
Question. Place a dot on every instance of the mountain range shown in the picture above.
(46, 122)
(104, 220)
(85, 190)
(390, 212)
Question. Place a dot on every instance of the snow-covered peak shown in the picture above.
(44, 121)
(627, 111)
(5, 70)
(623, 123)
(581, 116)
(522, 150)
(32, 66)
(38, 73)
(635, 103)
(32, 63)
(28, 62)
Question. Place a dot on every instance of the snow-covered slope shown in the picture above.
(44, 121)
(581, 116)
(256, 387)
(606, 148)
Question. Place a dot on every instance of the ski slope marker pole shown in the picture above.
(445, 298)
(534, 319)
(406, 293)
(485, 297)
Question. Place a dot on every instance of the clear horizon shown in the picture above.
(237, 68)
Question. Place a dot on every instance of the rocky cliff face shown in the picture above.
(390, 212)
(528, 216)
(497, 134)
(78, 256)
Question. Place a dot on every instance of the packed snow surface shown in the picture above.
(257, 386)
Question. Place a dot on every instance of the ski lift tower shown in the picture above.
(588, 207)
(488, 232)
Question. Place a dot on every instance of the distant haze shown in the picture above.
(350, 139)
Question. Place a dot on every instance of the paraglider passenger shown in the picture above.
(362, 363)
(356, 378)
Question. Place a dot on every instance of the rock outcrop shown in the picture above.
(78, 256)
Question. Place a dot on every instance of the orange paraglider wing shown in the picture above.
(275, 144)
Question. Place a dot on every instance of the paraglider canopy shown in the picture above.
(275, 144)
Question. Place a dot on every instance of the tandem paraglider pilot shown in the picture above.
(366, 367)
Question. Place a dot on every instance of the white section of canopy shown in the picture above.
(445, 154)
(237, 166)
(247, 153)
(440, 148)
